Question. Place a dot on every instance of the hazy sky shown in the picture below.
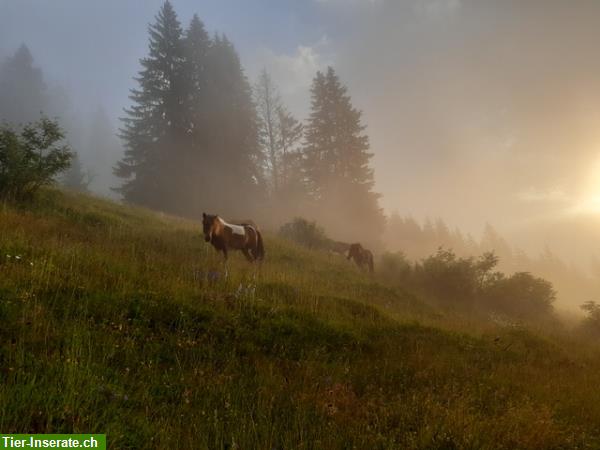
(477, 110)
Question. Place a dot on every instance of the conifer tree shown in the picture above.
(22, 89)
(191, 136)
(233, 136)
(317, 135)
(196, 163)
(75, 177)
(155, 124)
(337, 159)
(196, 47)
(492, 241)
(102, 150)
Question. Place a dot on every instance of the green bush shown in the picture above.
(31, 158)
(591, 324)
(520, 295)
(305, 233)
(448, 278)
(452, 281)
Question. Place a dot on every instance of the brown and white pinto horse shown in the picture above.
(226, 236)
(361, 256)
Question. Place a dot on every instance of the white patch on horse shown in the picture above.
(235, 229)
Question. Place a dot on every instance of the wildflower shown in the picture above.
(8, 256)
(18, 257)
(31, 263)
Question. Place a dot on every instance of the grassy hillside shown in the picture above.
(119, 320)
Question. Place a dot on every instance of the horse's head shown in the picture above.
(209, 226)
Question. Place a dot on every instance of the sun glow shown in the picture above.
(590, 199)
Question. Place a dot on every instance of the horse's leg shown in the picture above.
(254, 252)
(251, 247)
(225, 261)
(247, 254)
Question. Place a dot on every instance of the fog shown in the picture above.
(478, 112)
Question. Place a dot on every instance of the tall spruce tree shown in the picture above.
(23, 95)
(197, 46)
(155, 125)
(191, 138)
(75, 177)
(101, 150)
(235, 180)
(337, 161)
(197, 163)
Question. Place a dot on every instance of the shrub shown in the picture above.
(520, 295)
(448, 278)
(305, 233)
(395, 267)
(76, 178)
(591, 324)
(31, 158)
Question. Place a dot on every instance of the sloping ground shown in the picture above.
(119, 320)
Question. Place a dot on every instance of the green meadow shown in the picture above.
(118, 320)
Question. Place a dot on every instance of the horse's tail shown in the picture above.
(260, 248)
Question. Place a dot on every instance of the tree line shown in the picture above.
(26, 98)
(198, 137)
(415, 241)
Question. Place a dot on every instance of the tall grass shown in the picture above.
(117, 320)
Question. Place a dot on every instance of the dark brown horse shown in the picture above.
(339, 247)
(226, 236)
(361, 256)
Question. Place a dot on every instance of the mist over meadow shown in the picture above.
(481, 116)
